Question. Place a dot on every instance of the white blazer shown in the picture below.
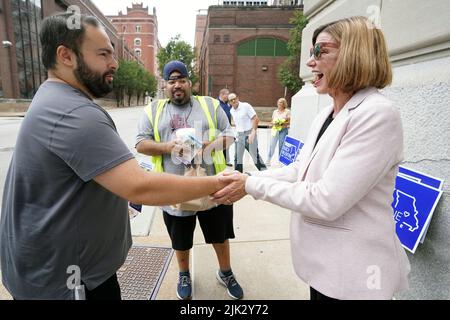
(343, 237)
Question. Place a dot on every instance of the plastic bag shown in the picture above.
(191, 145)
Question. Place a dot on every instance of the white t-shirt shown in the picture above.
(242, 116)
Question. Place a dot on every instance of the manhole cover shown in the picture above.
(143, 271)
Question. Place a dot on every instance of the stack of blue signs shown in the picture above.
(415, 197)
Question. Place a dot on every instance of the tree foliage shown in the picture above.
(177, 49)
(131, 79)
(289, 70)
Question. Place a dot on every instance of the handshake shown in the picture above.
(232, 187)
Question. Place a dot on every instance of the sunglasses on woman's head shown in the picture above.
(316, 51)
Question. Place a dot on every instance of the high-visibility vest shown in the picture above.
(217, 157)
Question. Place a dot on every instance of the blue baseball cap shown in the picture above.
(175, 65)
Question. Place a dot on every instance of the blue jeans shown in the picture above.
(241, 145)
(278, 138)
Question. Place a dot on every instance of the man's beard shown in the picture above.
(96, 83)
(182, 100)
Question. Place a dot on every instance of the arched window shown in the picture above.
(137, 42)
(263, 47)
(138, 52)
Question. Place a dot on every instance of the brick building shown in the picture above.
(287, 2)
(242, 49)
(139, 30)
(200, 26)
(21, 70)
(243, 3)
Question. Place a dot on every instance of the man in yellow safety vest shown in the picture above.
(159, 136)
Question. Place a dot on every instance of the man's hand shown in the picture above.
(205, 144)
(169, 146)
(234, 189)
(251, 137)
(179, 149)
(205, 150)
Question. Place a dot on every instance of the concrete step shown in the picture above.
(264, 113)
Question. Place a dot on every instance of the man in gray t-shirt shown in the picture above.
(64, 228)
(67, 219)
(182, 111)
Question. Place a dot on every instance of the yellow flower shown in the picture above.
(278, 124)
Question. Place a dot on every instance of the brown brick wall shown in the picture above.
(219, 16)
(228, 27)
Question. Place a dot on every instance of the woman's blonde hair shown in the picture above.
(363, 59)
(283, 100)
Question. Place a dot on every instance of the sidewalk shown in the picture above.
(260, 257)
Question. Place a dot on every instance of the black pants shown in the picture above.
(108, 290)
(216, 224)
(316, 295)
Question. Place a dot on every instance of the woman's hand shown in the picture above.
(235, 189)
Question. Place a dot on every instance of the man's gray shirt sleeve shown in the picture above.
(145, 129)
(88, 142)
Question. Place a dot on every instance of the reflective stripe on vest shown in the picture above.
(156, 160)
(217, 157)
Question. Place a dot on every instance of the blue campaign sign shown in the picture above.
(289, 151)
(421, 177)
(413, 206)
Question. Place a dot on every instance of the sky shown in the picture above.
(174, 16)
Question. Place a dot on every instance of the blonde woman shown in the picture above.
(343, 239)
(281, 118)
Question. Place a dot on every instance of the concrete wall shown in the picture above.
(418, 37)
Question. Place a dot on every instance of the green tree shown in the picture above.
(121, 79)
(178, 49)
(132, 79)
(146, 84)
(133, 83)
(289, 70)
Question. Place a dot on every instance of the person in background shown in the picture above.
(246, 122)
(281, 119)
(64, 227)
(157, 138)
(343, 237)
(223, 100)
